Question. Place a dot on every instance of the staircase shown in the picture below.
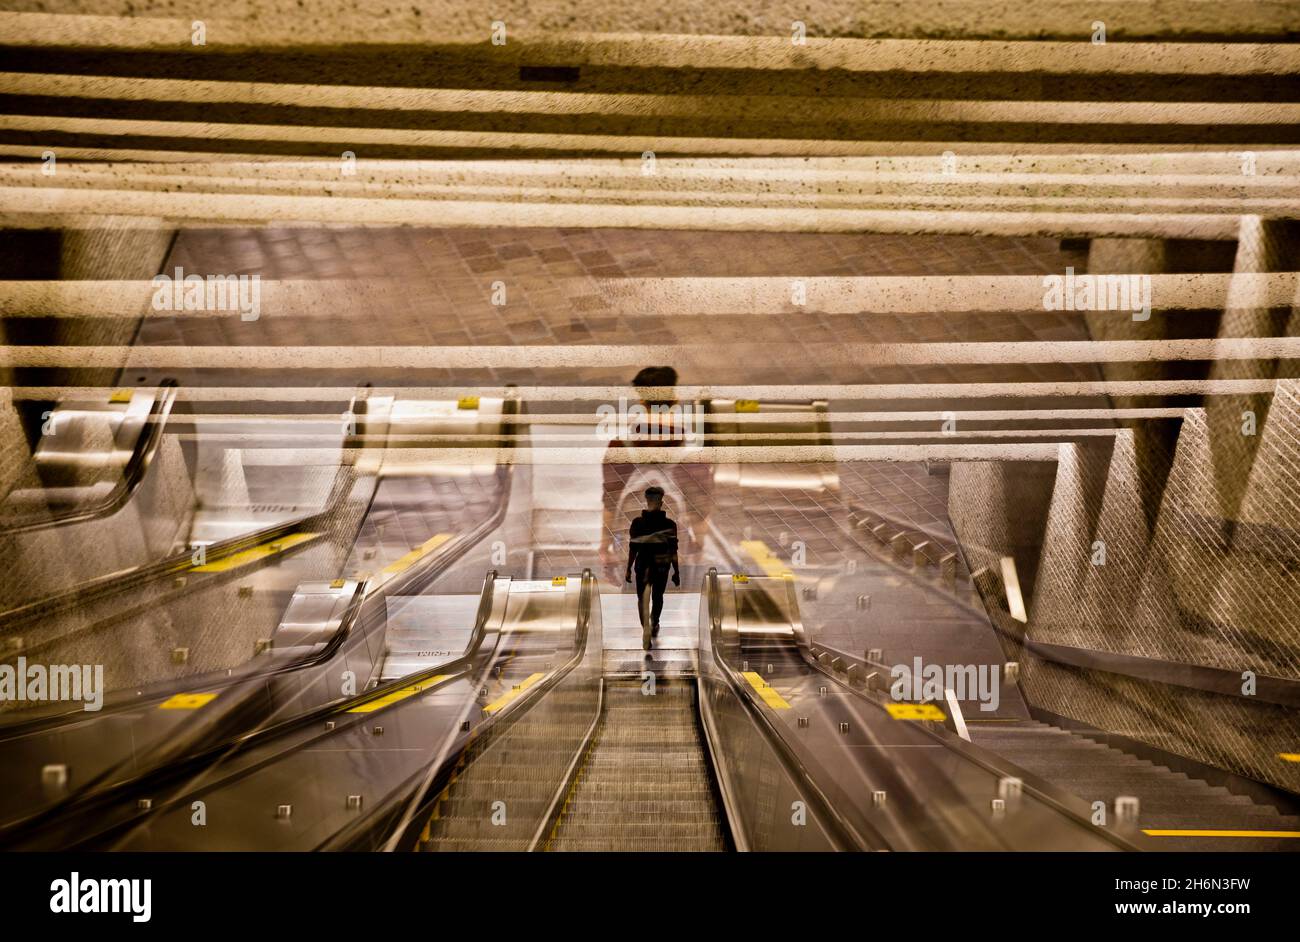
(1168, 800)
(644, 785)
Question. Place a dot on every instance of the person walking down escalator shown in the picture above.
(652, 553)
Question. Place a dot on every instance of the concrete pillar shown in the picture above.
(1258, 590)
(1262, 246)
(1066, 559)
(1153, 441)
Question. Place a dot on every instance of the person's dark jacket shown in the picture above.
(653, 541)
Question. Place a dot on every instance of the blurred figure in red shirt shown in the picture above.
(687, 486)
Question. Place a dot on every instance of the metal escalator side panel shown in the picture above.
(397, 435)
(771, 798)
(355, 639)
(519, 756)
(261, 754)
(768, 644)
(136, 437)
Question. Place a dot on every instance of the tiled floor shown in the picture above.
(447, 279)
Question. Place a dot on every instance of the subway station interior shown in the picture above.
(341, 348)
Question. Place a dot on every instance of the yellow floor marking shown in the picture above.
(424, 549)
(1193, 833)
(515, 691)
(765, 558)
(746, 405)
(1289, 756)
(187, 701)
(120, 395)
(765, 690)
(915, 711)
(389, 699)
(467, 402)
(269, 548)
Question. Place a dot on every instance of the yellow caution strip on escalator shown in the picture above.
(766, 559)
(243, 558)
(389, 699)
(415, 555)
(915, 711)
(515, 691)
(765, 690)
(187, 701)
(1289, 756)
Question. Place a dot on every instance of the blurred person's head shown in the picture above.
(656, 376)
(654, 497)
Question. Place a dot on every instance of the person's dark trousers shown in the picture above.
(655, 580)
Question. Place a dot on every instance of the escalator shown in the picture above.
(646, 783)
(643, 782)
(634, 763)
(337, 775)
(328, 631)
(761, 751)
(896, 777)
(527, 742)
(91, 459)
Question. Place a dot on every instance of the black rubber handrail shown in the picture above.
(1283, 691)
(133, 472)
(434, 566)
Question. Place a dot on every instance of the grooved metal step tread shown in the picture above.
(644, 785)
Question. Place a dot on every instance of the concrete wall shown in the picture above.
(1193, 588)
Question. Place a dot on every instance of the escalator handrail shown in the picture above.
(841, 831)
(210, 680)
(401, 834)
(151, 779)
(133, 472)
(413, 580)
(179, 562)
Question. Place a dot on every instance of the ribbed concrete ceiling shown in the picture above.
(956, 118)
